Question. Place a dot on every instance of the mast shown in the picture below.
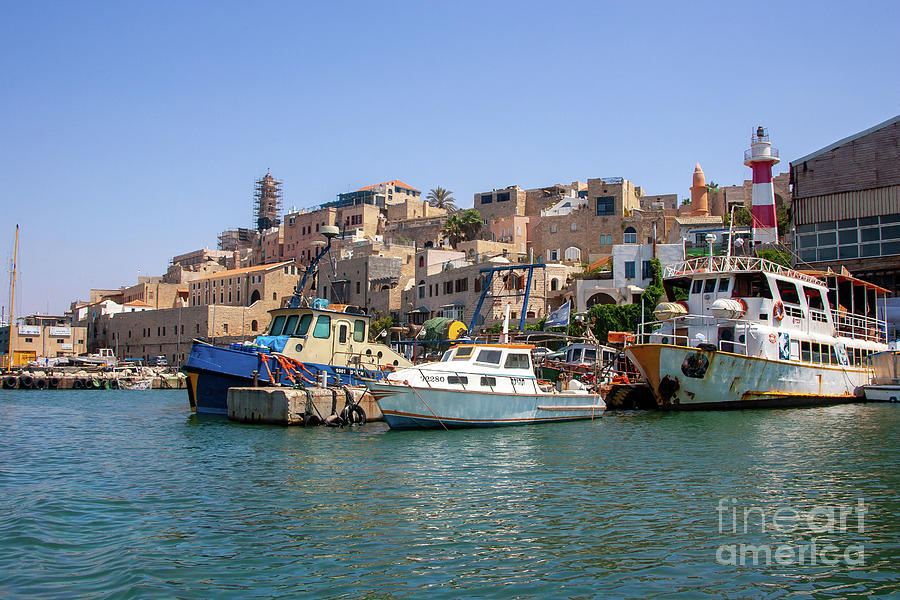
(12, 297)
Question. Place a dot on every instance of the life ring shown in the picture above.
(95, 384)
(78, 385)
(778, 310)
(772, 338)
(9, 383)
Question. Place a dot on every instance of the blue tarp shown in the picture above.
(275, 343)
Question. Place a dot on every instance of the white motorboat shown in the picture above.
(479, 385)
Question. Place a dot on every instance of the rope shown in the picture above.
(416, 392)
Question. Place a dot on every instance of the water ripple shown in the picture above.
(118, 494)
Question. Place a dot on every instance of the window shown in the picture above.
(516, 360)
(489, 356)
(422, 289)
(573, 227)
(290, 325)
(609, 239)
(448, 287)
(421, 261)
(274, 296)
(277, 325)
(805, 351)
(224, 327)
(606, 205)
(464, 353)
(359, 330)
(573, 253)
(357, 287)
(462, 285)
(323, 327)
(629, 269)
(487, 198)
(342, 333)
(788, 291)
(503, 197)
(254, 325)
(645, 269)
(631, 236)
(697, 286)
(553, 229)
(459, 380)
(813, 298)
(709, 286)
(305, 320)
(723, 284)
(489, 381)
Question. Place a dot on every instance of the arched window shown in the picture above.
(422, 288)
(573, 253)
(554, 284)
(631, 236)
(254, 326)
(254, 297)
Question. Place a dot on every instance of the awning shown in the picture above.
(421, 309)
(454, 305)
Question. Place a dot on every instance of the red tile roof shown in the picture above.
(393, 182)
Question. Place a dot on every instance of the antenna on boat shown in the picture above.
(330, 232)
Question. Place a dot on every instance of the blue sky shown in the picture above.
(132, 132)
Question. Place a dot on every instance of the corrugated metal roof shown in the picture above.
(847, 140)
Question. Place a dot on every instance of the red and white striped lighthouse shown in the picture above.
(760, 157)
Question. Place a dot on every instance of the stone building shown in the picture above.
(41, 336)
(272, 284)
(846, 205)
(371, 282)
(449, 285)
(628, 277)
(498, 204)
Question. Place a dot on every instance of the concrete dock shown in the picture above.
(304, 406)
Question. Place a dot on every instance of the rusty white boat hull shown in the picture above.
(685, 378)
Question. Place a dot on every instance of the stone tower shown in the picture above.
(699, 201)
(267, 203)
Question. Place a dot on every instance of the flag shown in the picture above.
(560, 316)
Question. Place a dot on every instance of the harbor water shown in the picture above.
(125, 494)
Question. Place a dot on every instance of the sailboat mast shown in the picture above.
(12, 297)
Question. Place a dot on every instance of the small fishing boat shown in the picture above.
(479, 385)
(885, 386)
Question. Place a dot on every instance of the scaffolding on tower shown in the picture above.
(267, 203)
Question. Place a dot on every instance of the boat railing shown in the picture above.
(859, 327)
(718, 264)
(703, 330)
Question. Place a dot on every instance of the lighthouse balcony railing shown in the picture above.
(750, 155)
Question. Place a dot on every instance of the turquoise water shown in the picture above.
(124, 494)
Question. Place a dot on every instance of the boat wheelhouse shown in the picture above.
(478, 385)
(750, 332)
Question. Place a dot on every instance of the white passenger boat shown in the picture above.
(478, 385)
(753, 333)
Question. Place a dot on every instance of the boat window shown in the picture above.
(342, 333)
(290, 325)
(457, 379)
(444, 358)
(698, 285)
(813, 298)
(323, 327)
(834, 358)
(751, 285)
(359, 330)
(816, 355)
(723, 284)
(489, 381)
(590, 355)
(464, 353)
(788, 291)
(516, 361)
(710, 286)
(574, 355)
(305, 320)
(804, 351)
(277, 325)
(489, 356)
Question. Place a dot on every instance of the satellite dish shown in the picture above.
(330, 231)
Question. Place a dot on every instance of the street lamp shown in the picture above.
(710, 239)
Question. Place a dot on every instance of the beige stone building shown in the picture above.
(41, 336)
(272, 284)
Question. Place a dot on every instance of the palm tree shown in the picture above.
(470, 223)
(453, 230)
(440, 198)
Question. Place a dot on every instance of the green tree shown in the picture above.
(442, 198)
(380, 325)
(453, 230)
(462, 226)
(776, 256)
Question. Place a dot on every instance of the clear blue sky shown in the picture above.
(132, 132)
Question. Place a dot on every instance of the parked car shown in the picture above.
(158, 361)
